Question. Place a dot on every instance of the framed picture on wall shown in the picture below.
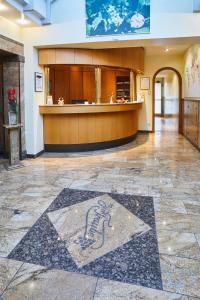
(38, 82)
(144, 83)
(117, 17)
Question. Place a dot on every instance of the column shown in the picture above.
(98, 84)
(13, 76)
(132, 86)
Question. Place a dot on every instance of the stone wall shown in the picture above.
(12, 60)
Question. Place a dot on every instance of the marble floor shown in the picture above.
(166, 123)
(153, 182)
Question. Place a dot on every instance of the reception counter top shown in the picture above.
(89, 127)
(89, 108)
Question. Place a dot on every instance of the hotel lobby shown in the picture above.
(99, 150)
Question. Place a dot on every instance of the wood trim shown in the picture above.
(131, 58)
(87, 109)
(180, 98)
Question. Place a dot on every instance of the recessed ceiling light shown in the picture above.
(22, 20)
(3, 6)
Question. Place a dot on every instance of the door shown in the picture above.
(159, 98)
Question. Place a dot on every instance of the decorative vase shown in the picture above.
(12, 117)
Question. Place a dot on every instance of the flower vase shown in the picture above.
(12, 117)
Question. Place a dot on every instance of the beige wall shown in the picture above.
(152, 64)
(192, 72)
(10, 30)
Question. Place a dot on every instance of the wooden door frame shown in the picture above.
(180, 127)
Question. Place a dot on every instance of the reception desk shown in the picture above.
(70, 128)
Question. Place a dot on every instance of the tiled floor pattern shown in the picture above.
(163, 166)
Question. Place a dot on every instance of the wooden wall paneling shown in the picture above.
(86, 125)
(62, 86)
(61, 129)
(125, 57)
(83, 56)
(113, 57)
(76, 85)
(191, 120)
(108, 85)
(89, 87)
(47, 56)
(100, 57)
(65, 56)
(105, 127)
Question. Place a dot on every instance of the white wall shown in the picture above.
(10, 30)
(168, 19)
(152, 64)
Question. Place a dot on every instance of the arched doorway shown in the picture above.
(180, 130)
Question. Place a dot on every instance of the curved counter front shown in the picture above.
(71, 128)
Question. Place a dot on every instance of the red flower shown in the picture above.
(11, 94)
(12, 91)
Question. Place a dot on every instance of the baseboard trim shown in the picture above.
(89, 147)
(144, 131)
(35, 155)
(193, 144)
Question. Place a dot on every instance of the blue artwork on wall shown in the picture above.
(108, 17)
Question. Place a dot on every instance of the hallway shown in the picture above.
(161, 168)
(166, 124)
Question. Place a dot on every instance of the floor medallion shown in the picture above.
(107, 235)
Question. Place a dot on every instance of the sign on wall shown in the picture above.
(108, 17)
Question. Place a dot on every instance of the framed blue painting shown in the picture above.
(109, 17)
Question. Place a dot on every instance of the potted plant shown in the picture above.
(12, 106)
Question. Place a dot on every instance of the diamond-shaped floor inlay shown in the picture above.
(111, 236)
(95, 227)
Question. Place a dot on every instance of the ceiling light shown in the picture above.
(167, 50)
(23, 21)
(3, 6)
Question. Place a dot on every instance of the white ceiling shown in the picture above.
(152, 46)
(9, 12)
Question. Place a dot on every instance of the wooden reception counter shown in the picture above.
(89, 127)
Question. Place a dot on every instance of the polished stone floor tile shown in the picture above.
(178, 222)
(198, 238)
(178, 244)
(192, 209)
(163, 166)
(167, 205)
(8, 269)
(16, 219)
(38, 283)
(9, 238)
(181, 275)
(111, 290)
